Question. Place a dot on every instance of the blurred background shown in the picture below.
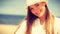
(12, 12)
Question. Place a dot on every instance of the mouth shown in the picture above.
(38, 12)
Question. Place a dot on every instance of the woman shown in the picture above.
(39, 19)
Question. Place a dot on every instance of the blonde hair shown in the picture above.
(49, 22)
(49, 25)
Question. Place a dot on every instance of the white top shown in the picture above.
(38, 29)
(57, 26)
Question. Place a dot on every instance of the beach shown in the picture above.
(7, 29)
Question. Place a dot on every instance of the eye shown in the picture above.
(36, 4)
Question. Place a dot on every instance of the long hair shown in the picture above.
(49, 22)
(31, 17)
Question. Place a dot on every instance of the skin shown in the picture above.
(38, 9)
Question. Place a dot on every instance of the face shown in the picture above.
(38, 9)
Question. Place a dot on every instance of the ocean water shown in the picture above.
(11, 19)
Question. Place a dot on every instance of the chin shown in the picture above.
(40, 15)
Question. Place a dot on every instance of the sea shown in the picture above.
(11, 19)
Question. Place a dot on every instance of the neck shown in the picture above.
(42, 19)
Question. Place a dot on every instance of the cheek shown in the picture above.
(42, 8)
(33, 11)
(42, 12)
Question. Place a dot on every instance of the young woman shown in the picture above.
(39, 20)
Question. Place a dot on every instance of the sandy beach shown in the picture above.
(7, 29)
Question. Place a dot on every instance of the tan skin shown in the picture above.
(38, 9)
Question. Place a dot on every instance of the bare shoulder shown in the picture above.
(21, 26)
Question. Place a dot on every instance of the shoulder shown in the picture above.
(22, 22)
(57, 20)
(21, 27)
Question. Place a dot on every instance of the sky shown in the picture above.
(16, 7)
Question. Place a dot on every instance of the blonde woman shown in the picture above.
(39, 19)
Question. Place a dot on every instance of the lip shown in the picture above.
(38, 13)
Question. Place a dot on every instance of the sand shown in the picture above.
(7, 29)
